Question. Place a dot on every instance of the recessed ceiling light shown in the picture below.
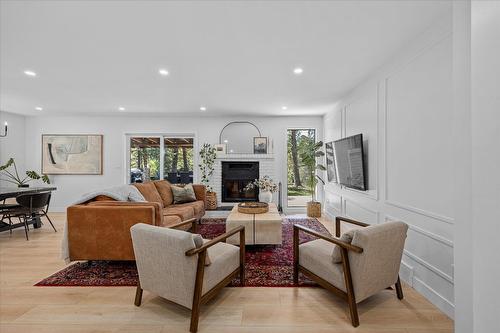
(225, 141)
(298, 70)
(163, 72)
(284, 107)
(29, 73)
(202, 108)
(121, 108)
(39, 108)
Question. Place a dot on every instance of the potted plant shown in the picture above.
(266, 188)
(208, 153)
(308, 155)
(13, 176)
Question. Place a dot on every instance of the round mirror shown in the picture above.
(238, 137)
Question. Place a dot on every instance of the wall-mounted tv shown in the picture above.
(349, 160)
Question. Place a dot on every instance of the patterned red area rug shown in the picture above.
(265, 266)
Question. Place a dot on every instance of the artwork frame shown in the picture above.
(72, 154)
(220, 149)
(260, 145)
(331, 169)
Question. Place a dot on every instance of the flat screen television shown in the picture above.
(349, 160)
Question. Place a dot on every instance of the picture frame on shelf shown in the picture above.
(260, 145)
(220, 149)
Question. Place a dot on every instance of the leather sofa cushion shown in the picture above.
(149, 191)
(185, 213)
(169, 220)
(165, 191)
(198, 207)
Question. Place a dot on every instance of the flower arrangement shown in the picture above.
(264, 184)
(14, 177)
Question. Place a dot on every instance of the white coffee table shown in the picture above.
(259, 228)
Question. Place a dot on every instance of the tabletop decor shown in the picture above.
(266, 188)
(253, 207)
(11, 175)
(77, 154)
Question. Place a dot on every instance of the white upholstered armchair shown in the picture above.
(184, 268)
(356, 266)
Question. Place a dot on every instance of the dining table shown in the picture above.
(13, 192)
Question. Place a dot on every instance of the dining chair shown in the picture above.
(32, 206)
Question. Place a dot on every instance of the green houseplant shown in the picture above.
(309, 154)
(208, 153)
(12, 175)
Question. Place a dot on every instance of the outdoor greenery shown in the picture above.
(298, 176)
(12, 176)
(178, 159)
(208, 153)
(147, 159)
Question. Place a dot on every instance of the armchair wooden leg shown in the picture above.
(242, 257)
(295, 256)
(399, 289)
(351, 299)
(138, 295)
(198, 288)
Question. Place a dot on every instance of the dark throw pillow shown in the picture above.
(183, 194)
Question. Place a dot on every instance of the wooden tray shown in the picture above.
(253, 207)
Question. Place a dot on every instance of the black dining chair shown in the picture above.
(32, 206)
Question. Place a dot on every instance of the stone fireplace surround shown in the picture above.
(266, 167)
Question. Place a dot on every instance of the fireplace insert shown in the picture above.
(237, 175)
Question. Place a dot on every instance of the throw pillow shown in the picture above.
(183, 194)
(198, 242)
(346, 238)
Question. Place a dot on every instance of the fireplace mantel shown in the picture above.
(237, 157)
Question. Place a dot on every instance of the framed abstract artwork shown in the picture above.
(72, 154)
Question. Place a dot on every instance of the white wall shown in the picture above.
(206, 129)
(404, 112)
(14, 144)
(485, 120)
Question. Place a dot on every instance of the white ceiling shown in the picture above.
(235, 58)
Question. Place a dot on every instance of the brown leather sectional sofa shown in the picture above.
(100, 229)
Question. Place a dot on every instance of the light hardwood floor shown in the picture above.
(24, 308)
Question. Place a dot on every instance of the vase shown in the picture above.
(265, 196)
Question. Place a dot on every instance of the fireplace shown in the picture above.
(235, 176)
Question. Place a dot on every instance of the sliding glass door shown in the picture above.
(155, 157)
(298, 177)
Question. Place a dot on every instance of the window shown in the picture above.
(298, 178)
(161, 157)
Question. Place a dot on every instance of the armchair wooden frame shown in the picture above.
(347, 295)
(198, 298)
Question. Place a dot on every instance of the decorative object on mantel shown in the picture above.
(208, 153)
(5, 131)
(260, 145)
(13, 176)
(238, 137)
(253, 207)
(309, 156)
(72, 154)
(266, 188)
(220, 149)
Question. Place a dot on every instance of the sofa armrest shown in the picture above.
(158, 215)
(102, 231)
(200, 191)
